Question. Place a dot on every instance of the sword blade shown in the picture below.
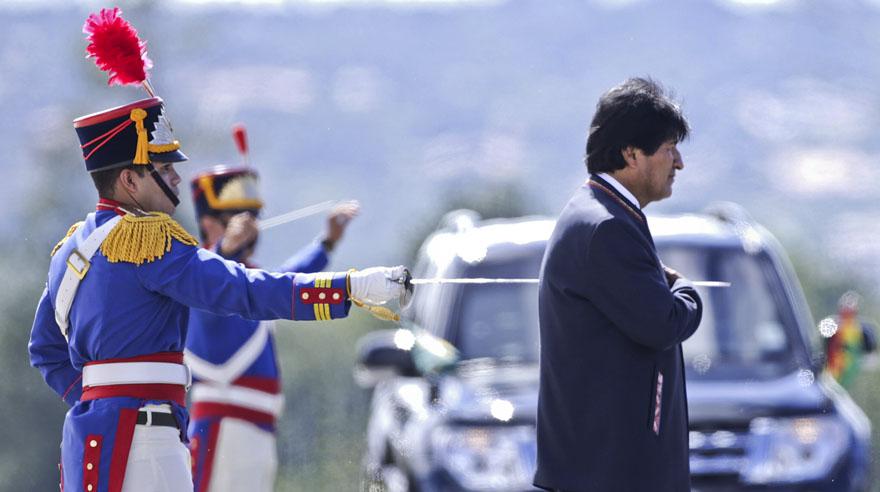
(423, 281)
(435, 281)
(710, 283)
(296, 214)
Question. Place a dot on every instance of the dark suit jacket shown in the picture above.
(612, 408)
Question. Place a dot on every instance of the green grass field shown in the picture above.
(866, 392)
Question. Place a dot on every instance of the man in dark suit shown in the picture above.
(612, 407)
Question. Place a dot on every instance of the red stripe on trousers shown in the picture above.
(121, 447)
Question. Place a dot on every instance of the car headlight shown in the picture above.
(487, 458)
(794, 449)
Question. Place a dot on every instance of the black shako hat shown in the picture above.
(226, 189)
(138, 133)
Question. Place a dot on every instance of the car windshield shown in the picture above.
(742, 334)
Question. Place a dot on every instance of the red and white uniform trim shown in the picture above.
(161, 376)
(254, 399)
(223, 391)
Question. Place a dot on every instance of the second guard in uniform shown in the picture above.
(236, 395)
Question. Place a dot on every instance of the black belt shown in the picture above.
(159, 419)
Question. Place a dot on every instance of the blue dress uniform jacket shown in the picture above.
(215, 338)
(218, 341)
(123, 310)
(612, 407)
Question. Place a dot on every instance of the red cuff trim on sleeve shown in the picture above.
(321, 296)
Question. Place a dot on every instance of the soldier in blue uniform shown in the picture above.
(110, 327)
(236, 394)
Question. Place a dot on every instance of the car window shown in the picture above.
(500, 321)
(743, 332)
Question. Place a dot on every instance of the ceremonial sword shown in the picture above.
(409, 283)
(427, 281)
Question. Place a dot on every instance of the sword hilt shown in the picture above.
(408, 288)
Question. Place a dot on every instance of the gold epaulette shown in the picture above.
(139, 239)
(65, 238)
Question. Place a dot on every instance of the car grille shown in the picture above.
(717, 456)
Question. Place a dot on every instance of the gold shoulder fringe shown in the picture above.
(65, 238)
(143, 239)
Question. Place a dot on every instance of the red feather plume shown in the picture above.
(239, 134)
(116, 48)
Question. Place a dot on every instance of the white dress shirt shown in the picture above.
(621, 189)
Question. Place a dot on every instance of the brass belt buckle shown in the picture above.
(84, 262)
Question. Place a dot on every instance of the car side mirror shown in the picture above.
(382, 354)
(407, 352)
(433, 355)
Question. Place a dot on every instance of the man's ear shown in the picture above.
(127, 181)
(629, 155)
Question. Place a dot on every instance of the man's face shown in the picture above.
(150, 195)
(657, 172)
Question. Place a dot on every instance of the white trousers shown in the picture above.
(245, 459)
(157, 461)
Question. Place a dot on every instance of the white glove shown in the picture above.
(376, 285)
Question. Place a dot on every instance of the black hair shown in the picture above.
(105, 179)
(637, 113)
